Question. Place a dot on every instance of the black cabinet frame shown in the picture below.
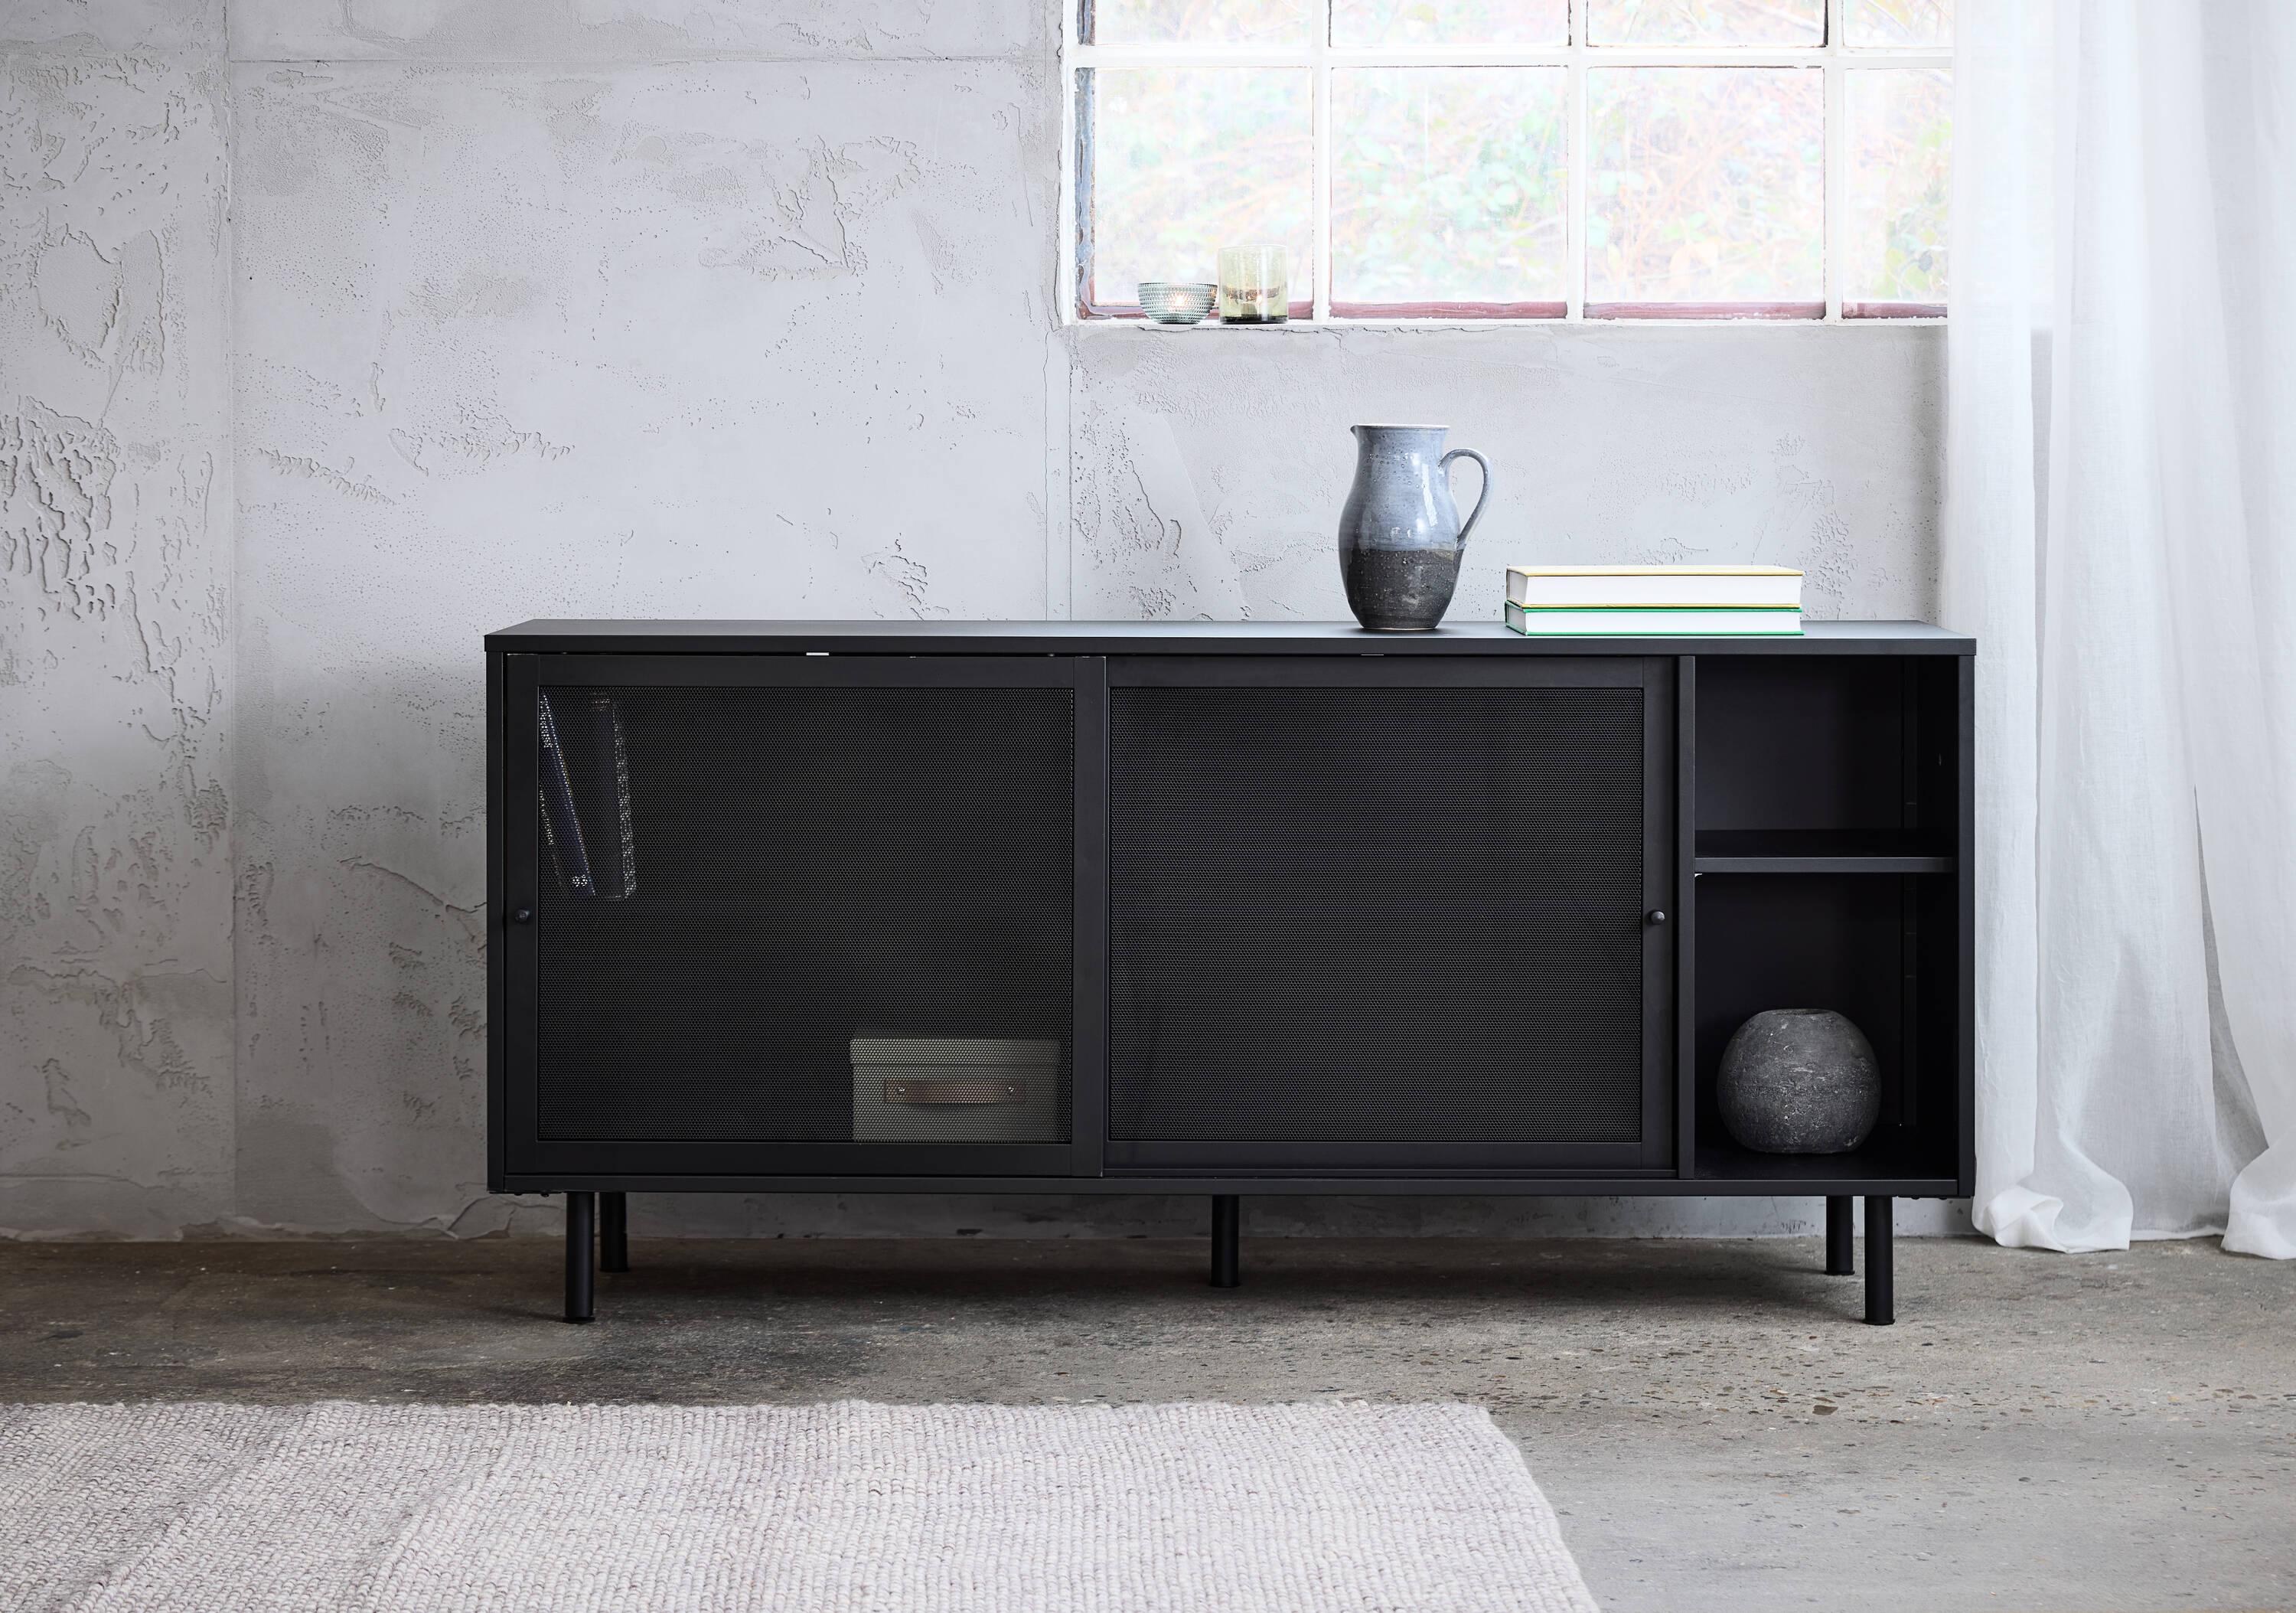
(1886, 705)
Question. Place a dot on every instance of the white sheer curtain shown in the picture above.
(2124, 279)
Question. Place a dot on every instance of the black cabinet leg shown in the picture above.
(1227, 1225)
(1880, 1302)
(1841, 1243)
(614, 1231)
(581, 1233)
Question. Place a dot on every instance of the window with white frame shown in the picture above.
(1518, 159)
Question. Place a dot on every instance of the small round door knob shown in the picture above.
(521, 916)
(1656, 916)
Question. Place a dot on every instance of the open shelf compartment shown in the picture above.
(1823, 851)
(1878, 951)
(1827, 764)
(1828, 856)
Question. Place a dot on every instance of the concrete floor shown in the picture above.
(1717, 1428)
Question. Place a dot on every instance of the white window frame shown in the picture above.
(1834, 59)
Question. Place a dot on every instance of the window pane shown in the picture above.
(1195, 21)
(1705, 185)
(1185, 160)
(1900, 170)
(1450, 22)
(1897, 21)
(1448, 184)
(1706, 22)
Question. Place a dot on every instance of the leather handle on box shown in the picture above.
(955, 1091)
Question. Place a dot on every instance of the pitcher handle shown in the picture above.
(1444, 463)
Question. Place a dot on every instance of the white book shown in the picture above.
(1762, 586)
(1654, 622)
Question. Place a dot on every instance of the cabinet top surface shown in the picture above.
(1186, 639)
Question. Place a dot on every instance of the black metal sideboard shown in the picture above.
(1209, 909)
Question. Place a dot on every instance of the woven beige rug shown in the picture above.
(1212, 1509)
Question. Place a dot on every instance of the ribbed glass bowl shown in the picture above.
(1175, 301)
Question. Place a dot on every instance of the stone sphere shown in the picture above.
(1799, 1080)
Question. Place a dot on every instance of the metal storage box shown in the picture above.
(955, 1089)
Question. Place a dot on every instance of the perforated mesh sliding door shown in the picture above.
(798, 913)
(1391, 916)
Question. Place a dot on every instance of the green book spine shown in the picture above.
(1654, 621)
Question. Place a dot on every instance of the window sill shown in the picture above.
(1467, 322)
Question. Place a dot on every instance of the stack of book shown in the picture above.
(1652, 601)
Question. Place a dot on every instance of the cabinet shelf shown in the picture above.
(1822, 851)
(1890, 1163)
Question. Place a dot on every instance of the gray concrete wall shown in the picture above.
(332, 338)
(117, 1107)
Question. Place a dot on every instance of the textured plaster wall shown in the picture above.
(116, 1007)
(332, 336)
(1207, 467)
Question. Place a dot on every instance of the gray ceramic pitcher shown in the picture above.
(1400, 534)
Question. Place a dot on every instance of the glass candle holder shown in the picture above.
(1252, 288)
(1175, 301)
